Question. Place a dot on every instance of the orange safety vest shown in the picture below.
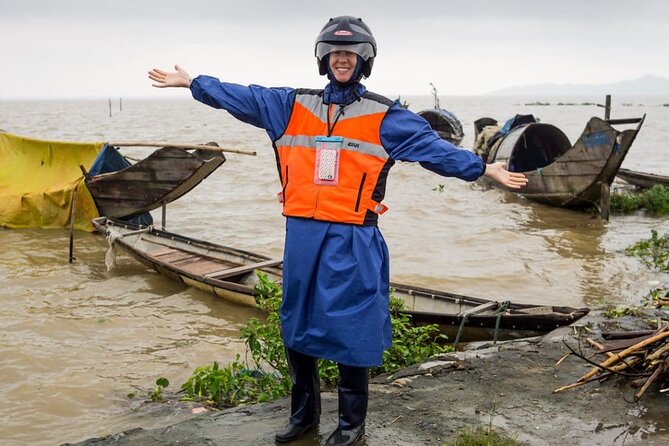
(363, 161)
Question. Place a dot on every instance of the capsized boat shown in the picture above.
(230, 273)
(559, 173)
(445, 123)
(121, 189)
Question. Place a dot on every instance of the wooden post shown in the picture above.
(164, 218)
(110, 113)
(72, 218)
(605, 201)
(607, 108)
(120, 104)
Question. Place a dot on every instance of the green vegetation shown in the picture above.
(653, 252)
(656, 297)
(263, 374)
(157, 394)
(439, 188)
(482, 436)
(655, 199)
(613, 312)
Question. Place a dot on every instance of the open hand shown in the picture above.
(162, 79)
(497, 171)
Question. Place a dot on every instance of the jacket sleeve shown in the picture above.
(267, 108)
(408, 137)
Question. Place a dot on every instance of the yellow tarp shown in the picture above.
(38, 179)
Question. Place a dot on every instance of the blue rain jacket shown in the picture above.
(336, 276)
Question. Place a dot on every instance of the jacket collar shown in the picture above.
(336, 93)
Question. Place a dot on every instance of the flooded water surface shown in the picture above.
(76, 339)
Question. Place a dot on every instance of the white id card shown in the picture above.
(326, 171)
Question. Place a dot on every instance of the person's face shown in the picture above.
(342, 65)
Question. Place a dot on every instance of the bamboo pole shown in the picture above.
(657, 353)
(626, 352)
(649, 381)
(598, 346)
(181, 146)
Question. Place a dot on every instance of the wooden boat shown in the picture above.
(230, 273)
(480, 316)
(561, 174)
(162, 177)
(445, 123)
(224, 271)
(642, 180)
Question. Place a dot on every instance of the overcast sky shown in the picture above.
(95, 49)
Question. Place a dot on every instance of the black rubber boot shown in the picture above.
(305, 400)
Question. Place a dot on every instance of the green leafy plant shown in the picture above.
(625, 202)
(439, 188)
(656, 297)
(653, 252)
(411, 344)
(157, 394)
(263, 374)
(655, 199)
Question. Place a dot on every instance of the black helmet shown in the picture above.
(346, 33)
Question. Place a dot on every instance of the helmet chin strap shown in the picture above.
(355, 78)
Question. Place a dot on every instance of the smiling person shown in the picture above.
(334, 149)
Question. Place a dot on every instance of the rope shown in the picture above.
(110, 255)
(460, 330)
(499, 312)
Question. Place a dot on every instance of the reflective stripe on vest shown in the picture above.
(363, 162)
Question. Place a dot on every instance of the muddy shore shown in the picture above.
(508, 385)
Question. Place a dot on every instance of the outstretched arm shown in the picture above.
(267, 108)
(162, 79)
(497, 171)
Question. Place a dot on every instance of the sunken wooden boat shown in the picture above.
(465, 318)
(224, 271)
(230, 273)
(160, 178)
(559, 173)
(642, 180)
(445, 123)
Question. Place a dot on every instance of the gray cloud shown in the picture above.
(226, 11)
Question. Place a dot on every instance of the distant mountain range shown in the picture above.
(643, 86)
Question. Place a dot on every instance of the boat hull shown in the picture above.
(642, 180)
(162, 177)
(579, 176)
(445, 123)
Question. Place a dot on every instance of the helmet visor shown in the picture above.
(364, 50)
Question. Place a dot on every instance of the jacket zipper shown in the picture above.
(362, 183)
(285, 185)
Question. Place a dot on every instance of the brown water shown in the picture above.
(76, 339)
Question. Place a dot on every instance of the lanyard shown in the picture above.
(341, 112)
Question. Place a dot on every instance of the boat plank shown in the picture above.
(242, 269)
(206, 266)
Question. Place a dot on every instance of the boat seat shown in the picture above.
(479, 309)
(243, 269)
(536, 310)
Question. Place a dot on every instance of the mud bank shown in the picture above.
(508, 385)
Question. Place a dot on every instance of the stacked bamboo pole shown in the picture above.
(645, 358)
